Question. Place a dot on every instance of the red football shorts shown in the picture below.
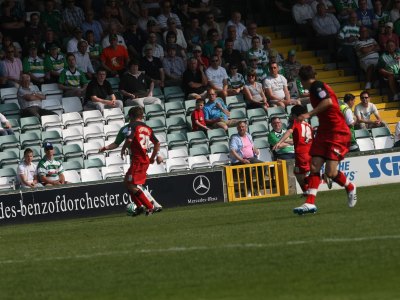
(302, 163)
(137, 173)
(332, 146)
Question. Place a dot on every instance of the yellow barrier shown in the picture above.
(256, 181)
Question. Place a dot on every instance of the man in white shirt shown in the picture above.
(83, 60)
(235, 21)
(276, 88)
(217, 77)
(26, 172)
(363, 112)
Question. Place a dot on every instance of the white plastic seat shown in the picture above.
(51, 89)
(72, 135)
(155, 169)
(72, 118)
(383, 142)
(113, 115)
(94, 133)
(111, 131)
(72, 176)
(51, 121)
(92, 116)
(72, 104)
(114, 160)
(92, 174)
(176, 164)
(182, 153)
(265, 154)
(8, 94)
(199, 161)
(112, 171)
(219, 159)
(53, 104)
(92, 147)
(365, 144)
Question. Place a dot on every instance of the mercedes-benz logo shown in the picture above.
(201, 185)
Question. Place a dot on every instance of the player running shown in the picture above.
(138, 141)
(302, 140)
(123, 133)
(331, 142)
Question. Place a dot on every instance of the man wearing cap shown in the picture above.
(50, 170)
(137, 87)
(174, 66)
(99, 93)
(152, 66)
(72, 81)
(30, 99)
(201, 59)
(114, 58)
(34, 66)
(72, 45)
(388, 35)
(54, 63)
(83, 61)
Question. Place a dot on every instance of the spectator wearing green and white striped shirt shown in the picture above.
(34, 66)
(72, 81)
(50, 170)
(235, 81)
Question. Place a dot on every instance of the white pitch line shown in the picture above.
(199, 248)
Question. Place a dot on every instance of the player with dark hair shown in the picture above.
(302, 140)
(331, 143)
(138, 141)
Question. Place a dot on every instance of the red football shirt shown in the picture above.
(332, 119)
(141, 135)
(302, 136)
(198, 115)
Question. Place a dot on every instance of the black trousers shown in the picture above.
(36, 111)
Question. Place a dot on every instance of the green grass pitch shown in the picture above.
(245, 250)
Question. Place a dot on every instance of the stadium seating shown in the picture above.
(9, 157)
(53, 104)
(155, 169)
(199, 150)
(112, 172)
(51, 121)
(216, 135)
(92, 174)
(9, 141)
(93, 133)
(196, 137)
(8, 95)
(71, 119)
(257, 115)
(235, 102)
(154, 110)
(10, 109)
(52, 136)
(72, 165)
(190, 106)
(71, 104)
(72, 176)
(113, 115)
(178, 153)
(30, 123)
(219, 148)
(199, 161)
(30, 138)
(382, 138)
(92, 117)
(176, 164)
(174, 108)
(219, 159)
(176, 140)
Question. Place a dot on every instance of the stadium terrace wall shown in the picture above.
(108, 197)
(369, 168)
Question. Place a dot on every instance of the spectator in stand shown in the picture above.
(276, 88)
(233, 56)
(367, 50)
(256, 50)
(12, 67)
(51, 17)
(303, 14)
(247, 37)
(344, 9)
(171, 41)
(381, 15)
(34, 30)
(131, 10)
(237, 43)
(389, 68)
(328, 6)
(99, 93)
(137, 87)
(54, 63)
(197, 116)
(116, 11)
(144, 20)
(49, 41)
(235, 21)
(113, 31)
(235, 81)
(218, 51)
(261, 71)
(26, 171)
(107, 20)
(326, 27)
(193, 34)
(346, 109)
(253, 92)
(201, 59)
(158, 50)
(72, 81)
(5, 126)
(152, 66)
(291, 67)
(210, 23)
(217, 77)
(388, 35)
(216, 112)
(286, 148)
(173, 66)
(93, 25)
(366, 17)
(83, 62)
(194, 81)
(212, 41)
(34, 66)
(72, 45)
(180, 38)
(183, 14)
(72, 16)
(348, 36)
(363, 112)
(135, 38)
(30, 99)
(8, 41)
(50, 170)
(397, 135)
(114, 58)
(13, 19)
(166, 12)
(95, 50)
(242, 148)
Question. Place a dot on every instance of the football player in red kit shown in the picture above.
(138, 141)
(302, 140)
(331, 142)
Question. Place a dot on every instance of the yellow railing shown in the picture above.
(256, 181)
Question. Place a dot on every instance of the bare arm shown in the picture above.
(322, 106)
(281, 143)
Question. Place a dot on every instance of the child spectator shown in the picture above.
(198, 121)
